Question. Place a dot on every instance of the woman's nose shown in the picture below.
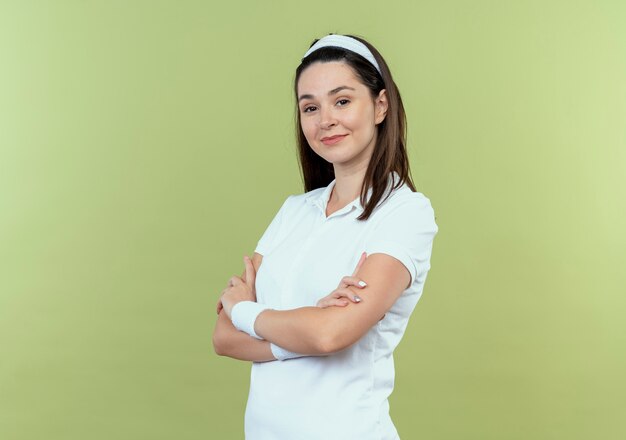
(327, 118)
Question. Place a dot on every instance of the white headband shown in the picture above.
(345, 43)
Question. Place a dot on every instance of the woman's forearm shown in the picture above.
(302, 330)
(314, 330)
(228, 341)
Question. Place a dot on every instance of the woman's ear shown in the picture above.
(382, 105)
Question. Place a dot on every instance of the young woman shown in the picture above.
(320, 341)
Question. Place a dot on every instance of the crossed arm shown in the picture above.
(228, 341)
(318, 331)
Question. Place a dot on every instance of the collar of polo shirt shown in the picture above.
(320, 199)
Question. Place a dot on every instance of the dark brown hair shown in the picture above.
(390, 150)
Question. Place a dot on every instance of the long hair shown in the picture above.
(390, 150)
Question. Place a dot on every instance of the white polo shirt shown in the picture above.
(342, 396)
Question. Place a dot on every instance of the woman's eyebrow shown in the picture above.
(332, 92)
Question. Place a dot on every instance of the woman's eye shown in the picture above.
(311, 108)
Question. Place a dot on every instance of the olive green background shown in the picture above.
(145, 146)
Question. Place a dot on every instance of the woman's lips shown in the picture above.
(333, 140)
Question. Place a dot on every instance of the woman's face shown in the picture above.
(333, 102)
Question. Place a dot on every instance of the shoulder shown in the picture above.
(295, 202)
(404, 195)
(293, 205)
(408, 207)
(302, 198)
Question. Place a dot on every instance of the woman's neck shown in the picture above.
(347, 187)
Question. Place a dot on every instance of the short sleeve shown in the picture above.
(267, 240)
(406, 232)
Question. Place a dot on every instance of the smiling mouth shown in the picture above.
(333, 139)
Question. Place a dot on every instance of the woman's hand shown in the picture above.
(336, 297)
(238, 290)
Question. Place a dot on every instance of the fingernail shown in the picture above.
(357, 298)
(362, 283)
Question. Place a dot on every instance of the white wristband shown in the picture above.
(281, 354)
(243, 315)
